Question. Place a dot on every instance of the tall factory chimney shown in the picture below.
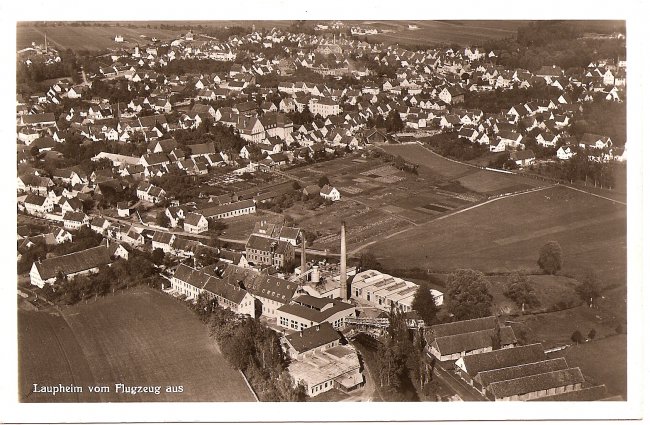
(344, 276)
(303, 256)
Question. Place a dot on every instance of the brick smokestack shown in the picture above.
(344, 275)
(303, 255)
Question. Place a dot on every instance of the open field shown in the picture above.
(465, 32)
(139, 337)
(428, 161)
(602, 361)
(49, 354)
(473, 179)
(555, 328)
(86, 38)
(550, 291)
(506, 234)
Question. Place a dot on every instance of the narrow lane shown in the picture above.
(457, 385)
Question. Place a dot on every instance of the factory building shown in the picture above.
(305, 311)
(320, 362)
(384, 291)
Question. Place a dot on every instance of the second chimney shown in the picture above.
(303, 256)
(344, 276)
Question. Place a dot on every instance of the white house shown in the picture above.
(564, 153)
(38, 205)
(330, 193)
(74, 220)
(195, 223)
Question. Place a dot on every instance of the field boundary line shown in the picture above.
(594, 194)
(537, 189)
(448, 159)
(249, 385)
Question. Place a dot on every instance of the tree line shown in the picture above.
(252, 348)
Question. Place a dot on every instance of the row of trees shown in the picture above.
(579, 168)
(449, 145)
(252, 348)
(401, 361)
(396, 161)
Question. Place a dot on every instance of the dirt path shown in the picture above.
(594, 194)
(442, 217)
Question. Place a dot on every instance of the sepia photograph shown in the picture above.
(322, 210)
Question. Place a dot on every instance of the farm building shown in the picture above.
(535, 386)
(163, 240)
(123, 209)
(467, 367)
(70, 265)
(451, 341)
(486, 378)
(38, 205)
(150, 193)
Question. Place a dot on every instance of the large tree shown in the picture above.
(521, 291)
(467, 295)
(550, 257)
(591, 287)
(424, 305)
(368, 261)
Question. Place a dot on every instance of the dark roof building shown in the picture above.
(475, 363)
(69, 264)
(528, 387)
(598, 392)
(312, 338)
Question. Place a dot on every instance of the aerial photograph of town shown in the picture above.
(321, 211)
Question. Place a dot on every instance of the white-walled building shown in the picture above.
(305, 311)
(70, 265)
(384, 291)
(319, 362)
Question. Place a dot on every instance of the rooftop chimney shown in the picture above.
(344, 277)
